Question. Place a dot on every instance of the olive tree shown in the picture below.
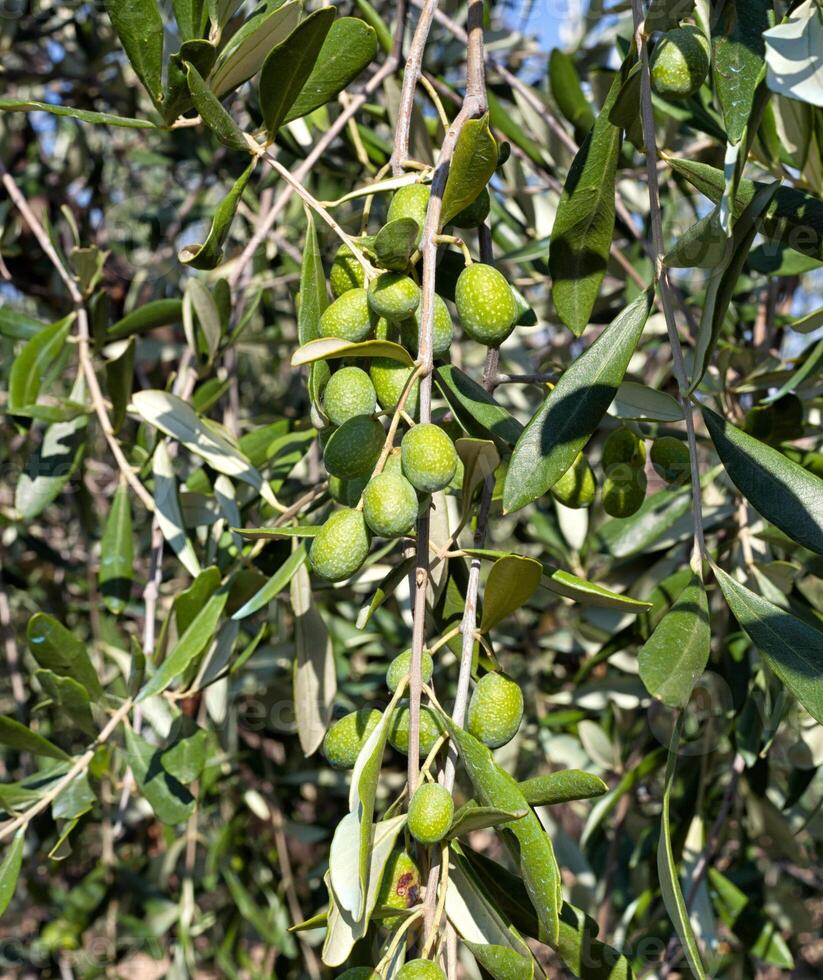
(412, 503)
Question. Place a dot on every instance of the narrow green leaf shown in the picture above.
(350, 854)
(472, 165)
(645, 404)
(481, 415)
(117, 553)
(139, 25)
(791, 647)
(191, 600)
(511, 583)
(10, 869)
(793, 55)
(782, 491)
(562, 787)
(84, 115)
(189, 15)
(794, 217)
(190, 645)
(327, 348)
(568, 92)
(314, 297)
(676, 654)
(534, 852)
(212, 112)
(723, 282)
(178, 98)
(184, 756)
(58, 649)
(69, 697)
(565, 421)
(288, 66)
(177, 419)
(667, 869)
(314, 676)
(119, 383)
(31, 363)
(738, 64)
(246, 51)
(349, 47)
(383, 591)
(584, 224)
(167, 509)
(471, 817)
(739, 912)
(395, 243)
(157, 313)
(17, 736)
(59, 458)
(275, 585)
(210, 253)
(17, 325)
(567, 584)
(170, 800)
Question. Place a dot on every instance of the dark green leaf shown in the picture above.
(117, 553)
(10, 869)
(738, 62)
(791, 647)
(70, 697)
(210, 253)
(349, 47)
(178, 99)
(502, 962)
(675, 655)
(170, 800)
(139, 25)
(212, 112)
(395, 243)
(584, 224)
(481, 415)
(189, 17)
(275, 584)
(471, 168)
(84, 115)
(17, 325)
(723, 282)
(58, 649)
(314, 297)
(190, 645)
(17, 736)
(191, 600)
(562, 787)
(119, 382)
(739, 912)
(564, 583)
(794, 217)
(184, 757)
(75, 800)
(31, 363)
(58, 459)
(538, 866)
(288, 66)
(667, 869)
(326, 348)
(246, 50)
(511, 583)
(568, 92)
(158, 313)
(782, 491)
(565, 421)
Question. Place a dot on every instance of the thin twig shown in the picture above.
(80, 765)
(411, 73)
(678, 365)
(83, 338)
(12, 657)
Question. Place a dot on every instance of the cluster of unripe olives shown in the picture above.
(623, 462)
(385, 500)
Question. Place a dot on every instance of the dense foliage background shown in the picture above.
(201, 867)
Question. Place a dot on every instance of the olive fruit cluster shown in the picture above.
(381, 489)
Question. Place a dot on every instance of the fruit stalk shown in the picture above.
(678, 365)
